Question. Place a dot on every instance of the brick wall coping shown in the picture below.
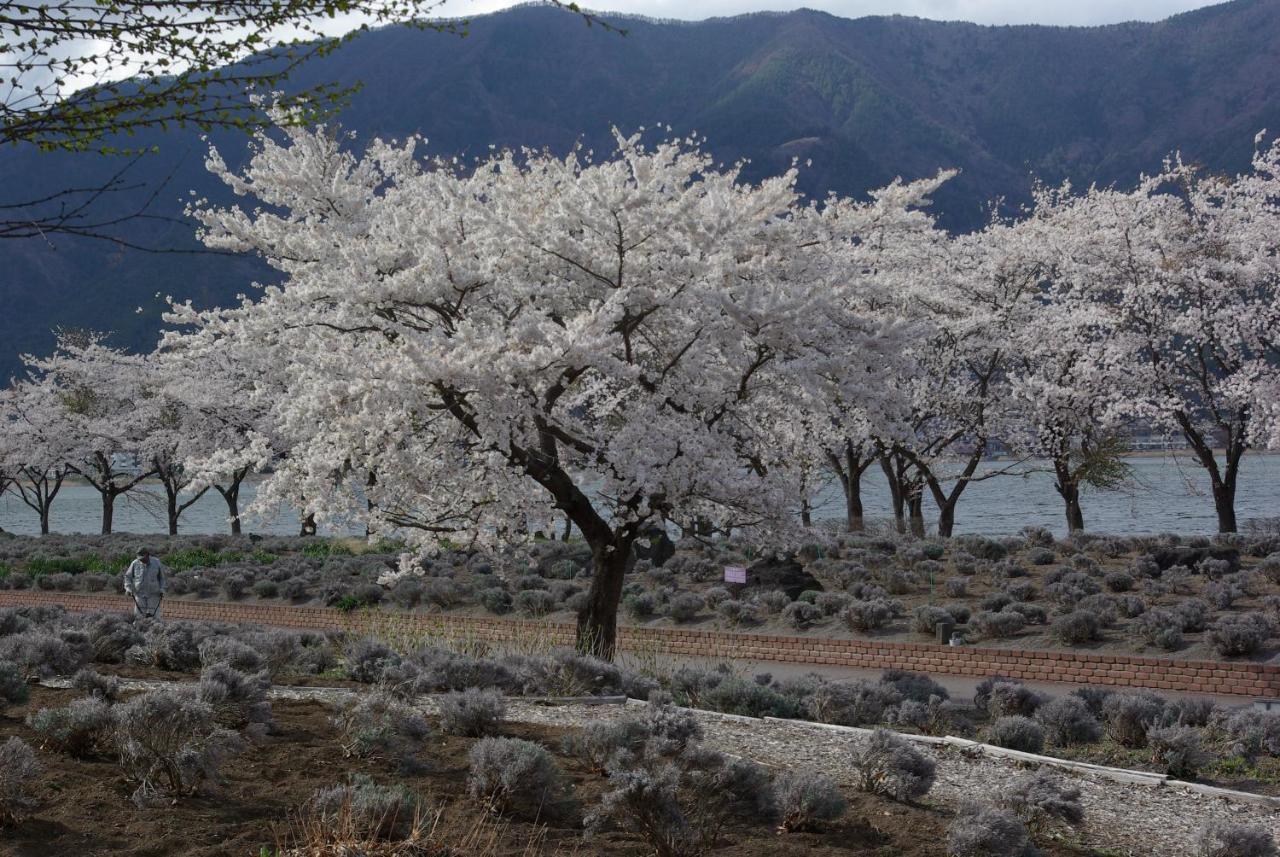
(1228, 678)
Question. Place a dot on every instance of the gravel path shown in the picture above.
(1122, 819)
(1134, 820)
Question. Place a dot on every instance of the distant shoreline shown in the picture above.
(1184, 452)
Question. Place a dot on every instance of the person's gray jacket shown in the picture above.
(144, 581)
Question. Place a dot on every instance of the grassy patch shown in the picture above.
(109, 565)
(199, 558)
(38, 566)
(320, 550)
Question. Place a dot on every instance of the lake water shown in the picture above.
(1168, 494)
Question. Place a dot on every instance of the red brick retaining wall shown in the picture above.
(1217, 677)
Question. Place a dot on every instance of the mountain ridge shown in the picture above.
(864, 99)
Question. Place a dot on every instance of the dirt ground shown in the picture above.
(85, 808)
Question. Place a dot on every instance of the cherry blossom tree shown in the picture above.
(1179, 279)
(103, 414)
(878, 249)
(970, 295)
(224, 426)
(35, 451)
(1060, 406)
(531, 336)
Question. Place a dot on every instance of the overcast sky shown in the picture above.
(1066, 12)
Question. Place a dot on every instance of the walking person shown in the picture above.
(144, 582)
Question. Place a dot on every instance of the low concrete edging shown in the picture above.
(1228, 678)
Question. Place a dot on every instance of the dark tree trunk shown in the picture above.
(1222, 480)
(1069, 489)
(39, 498)
(171, 503)
(946, 520)
(1224, 489)
(896, 494)
(308, 525)
(108, 511)
(806, 513)
(231, 496)
(915, 508)
(945, 501)
(853, 517)
(370, 482)
(568, 530)
(1224, 502)
(597, 632)
(850, 470)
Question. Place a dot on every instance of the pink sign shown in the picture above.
(735, 574)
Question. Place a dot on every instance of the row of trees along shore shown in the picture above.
(474, 351)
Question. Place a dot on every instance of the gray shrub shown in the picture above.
(366, 660)
(169, 744)
(80, 729)
(1194, 613)
(1006, 698)
(936, 716)
(1188, 711)
(641, 605)
(1179, 749)
(227, 650)
(496, 600)
(238, 699)
(912, 685)
(1016, 733)
(1240, 635)
(19, 769)
(867, 615)
(365, 810)
(831, 603)
(801, 615)
(1042, 799)
(999, 625)
(1225, 839)
(1127, 716)
(514, 775)
(738, 612)
(1251, 732)
(104, 687)
(472, 712)
(685, 607)
(1119, 581)
(984, 831)
(40, 654)
(1067, 721)
(887, 764)
(13, 685)
(679, 806)
(379, 726)
(598, 742)
(806, 800)
(925, 618)
(1076, 627)
(1161, 628)
(534, 602)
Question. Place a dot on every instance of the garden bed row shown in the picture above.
(1222, 678)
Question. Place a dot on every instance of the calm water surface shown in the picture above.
(1168, 494)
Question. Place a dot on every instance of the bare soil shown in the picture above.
(85, 807)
